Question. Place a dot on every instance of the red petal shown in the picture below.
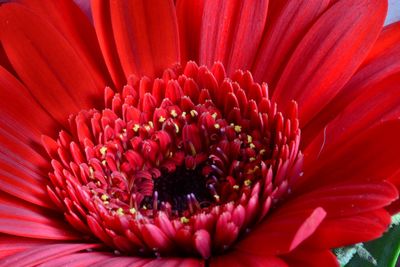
(284, 31)
(148, 262)
(16, 107)
(284, 232)
(225, 32)
(19, 138)
(46, 63)
(19, 163)
(10, 245)
(189, 15)
(339, 232)
(146, 35)
(102, 22)
(311, 258)
(366, 86)
(202, 242)
(19, 181)
(394, 208)
(345, 199)
(20, 173)
(77, 30)
(23, 219)
(176, 262)
(377, 103)
(155, 238)
(373, 155)
(329, 54)
(78, 259)
(41, 254)
(122, 261)
(239, 259)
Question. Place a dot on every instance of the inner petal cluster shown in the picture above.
(183, 164)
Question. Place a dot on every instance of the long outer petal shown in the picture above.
(284, 32)
(41, 254)
(46, 63)
(239, 259)
(148, 262)
(329, 54)
(372, 156)
(225, 32)
(77, 30)
(189, 15)
(284, 232)
(339, 232)
(381, 63)
(78, 259)
(20, 218)
(102, 24)
(311, 258)
(146, 35)
(12, 244)
(378, 102)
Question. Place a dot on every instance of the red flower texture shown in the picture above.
(196, 133)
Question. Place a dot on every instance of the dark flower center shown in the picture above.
(183, 189)
(178, 165)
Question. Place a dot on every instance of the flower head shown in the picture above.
(196, 133)
(185, 163)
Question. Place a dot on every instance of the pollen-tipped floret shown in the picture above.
(182, 164)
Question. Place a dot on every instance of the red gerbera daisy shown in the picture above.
(222, 133)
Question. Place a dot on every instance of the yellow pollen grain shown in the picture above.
(214, 115)
(252, 145)
(252, 159)
(124, 130)
(184, 220)
(104, 197)
(103, 150)
(247, 182)
(120, 211)
(91, 172)
(236, 187)
(249, 139)
(216, 197)
(217, 126)
(147, 127)
(176, 128)
(121, 136)
(193, 113)
(262, 151)
(238, 128)
(104, 162)
(192, 149)
(183, 114)
(132, 210)
(151, 124)
(136, 127)
(161, 119)
(106, 202)
(173, 113)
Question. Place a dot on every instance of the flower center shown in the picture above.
(183, 189)
(178, 165)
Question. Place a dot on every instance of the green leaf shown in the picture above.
(384, 250)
